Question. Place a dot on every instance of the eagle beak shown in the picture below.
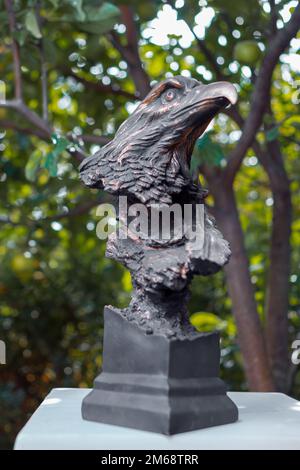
(202, 104)
(223, 90)
(221, 93)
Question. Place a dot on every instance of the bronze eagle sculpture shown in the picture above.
(148, 161)
(159, 373)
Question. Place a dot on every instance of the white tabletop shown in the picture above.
(266, 421)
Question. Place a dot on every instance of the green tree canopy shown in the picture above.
(71, 71)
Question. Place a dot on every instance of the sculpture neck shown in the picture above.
(161, 312)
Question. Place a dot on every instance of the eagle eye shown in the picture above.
(169, 95)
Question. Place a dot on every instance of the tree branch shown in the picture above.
(28, 114)
(95, 139)
(15, 49)
(33, 131)
(130, 52)
(131, 31)
(44, 71)
(259, 99)
(41, 126)
(233, 112)
(97, 86)
(209, 57)
(77, 211)
(274, 17)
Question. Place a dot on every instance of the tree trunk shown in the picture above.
(278, 277)
(250, 334)
(131, 52)
(140, 78)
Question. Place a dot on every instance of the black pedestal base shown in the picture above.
(158, 384)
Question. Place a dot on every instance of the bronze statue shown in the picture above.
(159, 373)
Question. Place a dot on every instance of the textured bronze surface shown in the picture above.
(148, 161)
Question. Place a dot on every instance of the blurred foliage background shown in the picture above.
(54, 278)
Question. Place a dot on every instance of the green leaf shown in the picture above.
(90, 16)
(127, 282)
(205, 321)
(51, 163)
(55, 3)
(80, 15)
(33, 165)
(272, 134)
(60, 144)
(21, 36)
(203, 141)
(100, 20)
(9, 168)
(106, 12)
(50, 50)
(32, 24)
(206, 151)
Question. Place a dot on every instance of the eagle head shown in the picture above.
(148, 159)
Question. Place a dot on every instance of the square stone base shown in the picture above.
(156, 383)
